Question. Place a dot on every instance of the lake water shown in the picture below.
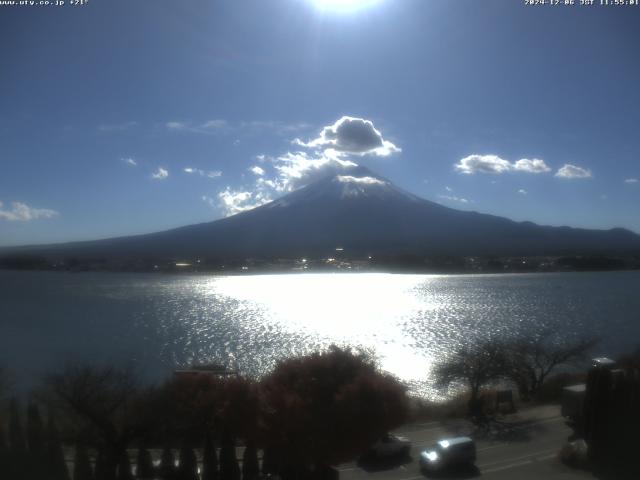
(157, 322)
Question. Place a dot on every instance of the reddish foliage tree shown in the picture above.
(327, 408)
(197, 404)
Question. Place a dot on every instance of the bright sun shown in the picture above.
(344, 5)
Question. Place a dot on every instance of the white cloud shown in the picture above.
(203, 173)
(120, 127)
(176, 126)
(362, 180)
(293, 170)
(262, 183)
(299, 169)
(280, 128)
(223, 126)
(214, 124)
(21, 212)
(534, 165)
(256, 170)
(208, 127)
(631, 180)
(573, 171)
(493, 164)
(522, 191)
(454, 198)
(350, 135)
(130, 161)
(160, 174)
(237, 201)
(210, 201)
(483, 164)
(448, 189)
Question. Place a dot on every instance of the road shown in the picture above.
(522, 446)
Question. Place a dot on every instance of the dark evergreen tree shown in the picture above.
(101, 468)
(145, 470)
(55, 454)
(124, 468)
(36, 442)
(19, 465)
(17, 444)
(5, 457)
(35, 431)
(188, 468)
(250, 466)
(269, 462)
(209, 459)
(597, 411)
(82, 464)
(229, 468)
(167, 465)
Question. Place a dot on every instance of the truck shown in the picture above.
(573, 402)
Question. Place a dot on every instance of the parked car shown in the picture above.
(389, 446)
(448, 453)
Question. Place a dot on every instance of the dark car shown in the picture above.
(389, 446)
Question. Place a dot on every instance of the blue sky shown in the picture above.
(526, 112)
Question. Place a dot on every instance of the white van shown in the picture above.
(448, 452)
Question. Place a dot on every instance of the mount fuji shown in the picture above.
(360, 212)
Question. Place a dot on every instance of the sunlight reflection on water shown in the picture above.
(158, 322)
(257, 320)
(408, 321)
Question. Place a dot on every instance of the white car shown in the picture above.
(448, 452)
(390, 446)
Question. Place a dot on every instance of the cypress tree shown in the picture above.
(144, 470)
(167, 465)
(82, 464)
(17, 444)
(269, 463)
(5, 457)
(229, 469)
(250, 467)
(55, 454)
(35, 431)
(101, 471)
(36, 442)
(209, 459)
(188, 469)
(124, 467)
(18, 464)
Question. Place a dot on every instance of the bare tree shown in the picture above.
(474, 366)
(532, 360)
(107, 405)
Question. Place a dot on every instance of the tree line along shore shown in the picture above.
(334, 261)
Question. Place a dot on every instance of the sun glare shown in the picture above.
(343, 6)
(335, 308)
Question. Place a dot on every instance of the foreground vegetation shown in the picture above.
(310, 413)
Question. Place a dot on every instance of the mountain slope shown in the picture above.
(363, 213)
